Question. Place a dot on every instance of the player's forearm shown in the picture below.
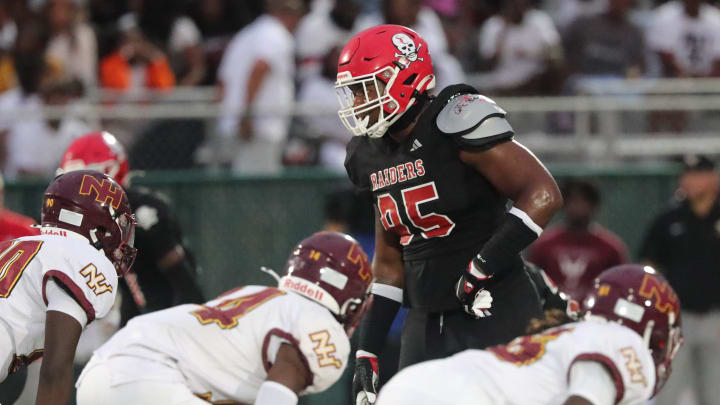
(576, 400)
(55, 384)
(62, 333)
(388, 273)
(387, 265)
(376, 324)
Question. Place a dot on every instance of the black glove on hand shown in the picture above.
(365, 380)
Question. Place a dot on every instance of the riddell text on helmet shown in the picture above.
(303, 288)
(397, 174)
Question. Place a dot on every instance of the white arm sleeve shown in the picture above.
(592, 381)
(61, 301)
(272, 393)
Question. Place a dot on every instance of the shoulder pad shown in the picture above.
(475, 119)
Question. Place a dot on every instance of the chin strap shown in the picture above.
(411, 114)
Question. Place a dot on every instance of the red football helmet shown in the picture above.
(641, 299)
(381, 71)
(332, 269)
(95, 206)
(98, 151)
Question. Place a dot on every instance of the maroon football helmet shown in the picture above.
(95, 206)
(641, 299)
(332, 269)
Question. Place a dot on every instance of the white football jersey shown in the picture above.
(534, 369)
(694, 42)
(26, 265)
(223, 349)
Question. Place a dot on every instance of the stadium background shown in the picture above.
(622, 133)
(236, 224)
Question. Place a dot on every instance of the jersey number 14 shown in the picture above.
(430, 225)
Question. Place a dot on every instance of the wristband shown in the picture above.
(515, 233)
(272, 393)
(375, 326)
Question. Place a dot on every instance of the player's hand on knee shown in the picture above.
(365, 380)
(470, 290)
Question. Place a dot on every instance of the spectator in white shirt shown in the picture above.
(34, 143)
(522, 48)
(320, 31)
(685, 34)
(72, 50)
(256, 82)
(218, 21)
(317, 93)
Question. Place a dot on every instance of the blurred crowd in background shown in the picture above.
(265, 59)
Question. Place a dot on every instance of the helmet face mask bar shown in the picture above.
(125, 253)
(371, 90)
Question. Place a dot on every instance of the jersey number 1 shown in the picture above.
(14, 258)
(432, 225)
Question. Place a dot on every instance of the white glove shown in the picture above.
(482, 303)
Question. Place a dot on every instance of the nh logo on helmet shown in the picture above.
(105, 190)
(666, 300)
(356, 255)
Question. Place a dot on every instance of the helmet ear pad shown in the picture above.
(390, 54)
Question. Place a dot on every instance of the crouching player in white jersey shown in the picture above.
(620, 352)
(54, 284)
(253, 344)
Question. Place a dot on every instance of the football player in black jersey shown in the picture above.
(441, 169)
(164, 271)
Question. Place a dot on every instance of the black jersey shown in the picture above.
(157, 233)
(423, 191)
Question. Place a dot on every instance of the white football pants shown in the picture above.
(437, 382)
(95, 389)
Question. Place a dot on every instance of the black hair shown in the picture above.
(586, 190)
(553, 318)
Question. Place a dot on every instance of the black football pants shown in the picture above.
(430, 335)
